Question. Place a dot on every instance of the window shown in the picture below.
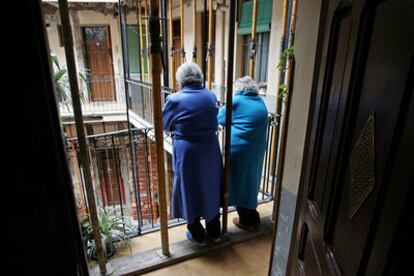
(60, 35)
(261, 57)
(264, 19)
(134, 57)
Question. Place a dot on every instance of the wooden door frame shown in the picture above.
(85, 55)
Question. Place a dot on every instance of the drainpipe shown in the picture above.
(170, 42)
(165, 42)
(283, 131)
(253, 40)
(280, 75)
(210, 43)
(155, 51)
(204, 43)
(229, 102)
(182, 31)
(80, 128)
(223, 45)
(141, 40)
(147, 41)
(195, 31)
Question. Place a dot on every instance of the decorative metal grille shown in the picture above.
(362, 167)
(95, 33)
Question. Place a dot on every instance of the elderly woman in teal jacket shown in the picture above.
(248, 142)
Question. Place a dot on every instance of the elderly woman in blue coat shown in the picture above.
(248, 142)
(191, 116)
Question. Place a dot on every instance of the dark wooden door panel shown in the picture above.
(381, 95)
(367, 73)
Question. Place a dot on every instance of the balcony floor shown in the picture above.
(246, 258)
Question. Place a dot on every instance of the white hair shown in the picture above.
(245, 83)
(189, 74)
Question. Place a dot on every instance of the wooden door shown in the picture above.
(177, 51)
(99, 62)
(111, 178)
(362, 104)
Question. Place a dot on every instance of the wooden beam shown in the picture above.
(155, 52)
(80, 129)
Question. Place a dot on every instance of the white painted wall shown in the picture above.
(274, 47)
(90, 18)
(81, 19)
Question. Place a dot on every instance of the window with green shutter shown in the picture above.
(264, 17)
(133, 49)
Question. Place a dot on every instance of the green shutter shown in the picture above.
(134, 56)
(264, 17)
(133, 53)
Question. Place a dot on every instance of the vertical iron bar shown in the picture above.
(229, 103)
(108, 170)
(148, 177)
(118, 177)
(131, 142)
(269, 160)
(264, 181)
(99, 172)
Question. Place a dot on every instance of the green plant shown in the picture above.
(61, 81)
(113, 227)
(286, 55)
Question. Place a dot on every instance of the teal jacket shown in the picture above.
(248, 143)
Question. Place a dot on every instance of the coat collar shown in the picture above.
(247, 92)
(191, 88)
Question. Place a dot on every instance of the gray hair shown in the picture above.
(245, 83)
(189, 74)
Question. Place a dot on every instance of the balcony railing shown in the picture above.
(124, 175)
(141, 98)
(101, 96)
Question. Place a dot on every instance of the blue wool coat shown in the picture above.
(248, 143)
(191, 115)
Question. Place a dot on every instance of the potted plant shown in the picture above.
(61, 80)
(113, 227)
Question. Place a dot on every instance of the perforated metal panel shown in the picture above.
(362, 169)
